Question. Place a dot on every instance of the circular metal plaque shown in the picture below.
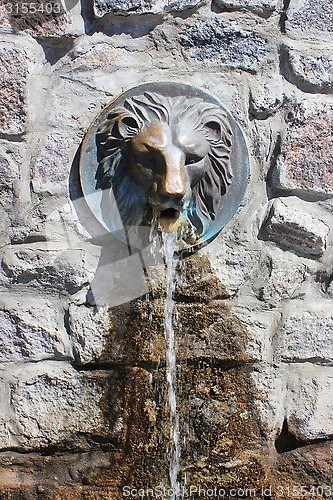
(164, 148)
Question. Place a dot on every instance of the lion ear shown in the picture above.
(218, 130)
(214, 128)
(127, 126)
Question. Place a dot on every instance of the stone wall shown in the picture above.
(82, 398)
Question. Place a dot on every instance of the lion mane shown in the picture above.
(124, 122)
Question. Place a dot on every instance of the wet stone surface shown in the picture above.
(204, 326)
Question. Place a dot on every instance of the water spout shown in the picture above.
(169, 246)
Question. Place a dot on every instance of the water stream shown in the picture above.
(169, 245)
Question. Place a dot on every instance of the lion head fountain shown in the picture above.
(167, 153)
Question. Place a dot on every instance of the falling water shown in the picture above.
(170, 242)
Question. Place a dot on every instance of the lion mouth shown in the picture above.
(170, 219)
(169, 213)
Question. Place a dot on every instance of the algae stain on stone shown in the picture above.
(218, 429)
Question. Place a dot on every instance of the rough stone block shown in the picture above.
(311, 70)
(4, 225)
(309, 407)
(261, 326)
(64, 270)
(305, 163)
(13, 80)
(265, 100)
(51, 404)
(127, 7)
(56, 220)
(224, 44)
(216, 404)
(6, 415)
(9, 175)
(90, 330)
(262, 8)
(50, 168)
(51, 219)
(310, 19)
(91, 62)
(41, 18)
(232, 264)
(306, 333)
(268, 386)
(280, 281)
(31, 329)
(296, 229)
(44, 472)
(305, 463)
(210, 332)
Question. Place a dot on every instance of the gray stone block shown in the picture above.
(9, 175)
(232, 264)
(268, 385)
(310, 69)
(310, 19)
(261, 326)
(309, 408)
(281, 281)
(67, 270)
(128, 7)
(31, 329)
(266, 99)
(305, 164)
(13, 80)
(89, 330)
(299, 393)
(262, 8)
(225, 44)
(295, 229)
(50, 168)
(4, 233)
(306, 333)
(50, 404)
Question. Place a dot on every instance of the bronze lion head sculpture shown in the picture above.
(165, 155)
(165, 152)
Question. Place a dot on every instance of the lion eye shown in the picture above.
(192, 158)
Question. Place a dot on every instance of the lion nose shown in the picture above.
(174, 180)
